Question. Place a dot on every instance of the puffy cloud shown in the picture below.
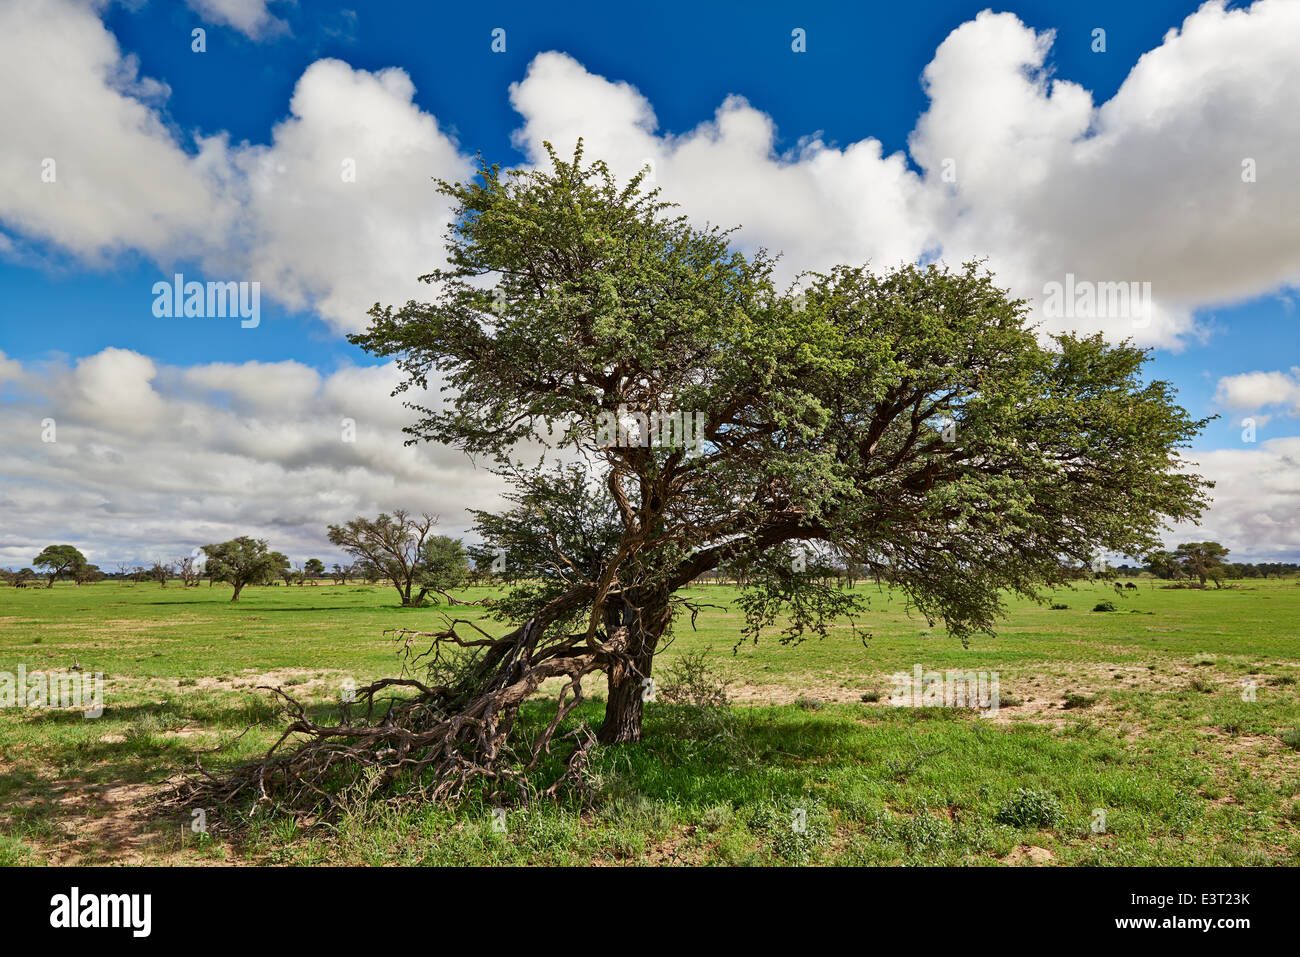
(152, 461)
(1018, 167)
(1015, 166)
(86, 163)
(1259, 390)
(114, 388)
(249, 17)
(1148, 187)
(336, 212)
(817, 205)
(341, 207)
(11, 370)
(259, 386)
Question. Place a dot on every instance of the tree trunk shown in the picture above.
(235, 596)
(627, 680)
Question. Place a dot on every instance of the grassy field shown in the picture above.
(1133, 732)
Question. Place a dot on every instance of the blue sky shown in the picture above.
(77, 285)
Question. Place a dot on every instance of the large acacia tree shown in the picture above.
(60, 560)
(910, 423)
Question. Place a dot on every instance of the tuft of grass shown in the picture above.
(1075, 700)
(1028, 808)
(1200, 684)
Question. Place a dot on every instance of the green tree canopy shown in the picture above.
(243, 561)
(444, 565)
(387, 546)
(910, 421)
(1202, 560)
(59, 560)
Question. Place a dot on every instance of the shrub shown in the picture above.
(777, 823)
(1075, 700)
(1291, 738)
(1104, 606)
(1057, 606)
(1030, 809)
(693, 680)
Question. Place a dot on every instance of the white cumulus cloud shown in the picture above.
(150, 461)
(252, 18)
(1260, 390)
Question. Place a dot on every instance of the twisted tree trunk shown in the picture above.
(637, 630)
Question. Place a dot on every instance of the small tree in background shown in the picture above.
(391, 544)
(1202, 561)
(160, 571)
(189, 569)
(59, 560)
(444, 565)
(243, 561)
(313, 569)
(1164, 565)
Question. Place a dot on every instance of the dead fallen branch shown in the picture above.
(428, 737)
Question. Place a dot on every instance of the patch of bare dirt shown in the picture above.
(103, 822)
(1029, 855)
(783, 694)
(282, 676)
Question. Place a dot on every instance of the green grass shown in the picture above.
(1134, 734)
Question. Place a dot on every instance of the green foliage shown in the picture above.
(60, 560)
(1028, 808)
(388, 546)
(444, 564)
(1202, 560)
(795, 831)
(908, 424)
(694, 680)
(243, 561)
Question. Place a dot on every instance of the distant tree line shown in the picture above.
(1203, 562)
(402, 550)
(399, 548)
